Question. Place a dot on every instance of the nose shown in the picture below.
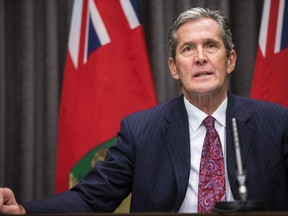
(200, 57)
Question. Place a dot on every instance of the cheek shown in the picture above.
(221, 68)
(185, 66)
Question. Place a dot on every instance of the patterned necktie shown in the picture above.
(212, 170)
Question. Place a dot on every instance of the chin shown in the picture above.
(205, 91)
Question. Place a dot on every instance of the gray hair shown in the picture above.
(197, 13)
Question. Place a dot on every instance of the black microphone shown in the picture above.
(243, 204)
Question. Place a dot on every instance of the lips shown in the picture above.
(203, 73)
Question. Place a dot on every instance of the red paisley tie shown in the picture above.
(212, 171)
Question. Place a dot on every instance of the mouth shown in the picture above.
(203, 74)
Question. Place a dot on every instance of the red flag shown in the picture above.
(270, 80)
(107, 76)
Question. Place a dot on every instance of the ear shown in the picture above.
(231, 62)
(173, 68)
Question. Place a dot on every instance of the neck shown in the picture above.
(207, 103)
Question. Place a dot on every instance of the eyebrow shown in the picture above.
(208, 40)
(211, 40)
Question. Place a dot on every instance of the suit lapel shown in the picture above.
(236, 109)
(176, 136)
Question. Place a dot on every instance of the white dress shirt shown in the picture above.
(197, 134)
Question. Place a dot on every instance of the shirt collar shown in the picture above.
(196, 116)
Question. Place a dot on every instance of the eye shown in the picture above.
(187, 50)
(211, 45)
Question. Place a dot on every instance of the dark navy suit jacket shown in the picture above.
(151, 159)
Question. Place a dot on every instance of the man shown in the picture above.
(159, 157)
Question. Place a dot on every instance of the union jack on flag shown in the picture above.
(278, 19)
(94, 33)
(270, 80)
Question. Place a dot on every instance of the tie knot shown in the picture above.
(209, 121)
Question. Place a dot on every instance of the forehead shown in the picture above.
(199, 28)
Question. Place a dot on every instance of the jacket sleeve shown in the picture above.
(101, 190)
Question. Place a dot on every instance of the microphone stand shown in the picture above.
(243, 204)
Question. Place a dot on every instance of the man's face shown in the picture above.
(201, 62)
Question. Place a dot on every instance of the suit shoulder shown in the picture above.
(155, 112)
(146, 122)
(264, 107)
